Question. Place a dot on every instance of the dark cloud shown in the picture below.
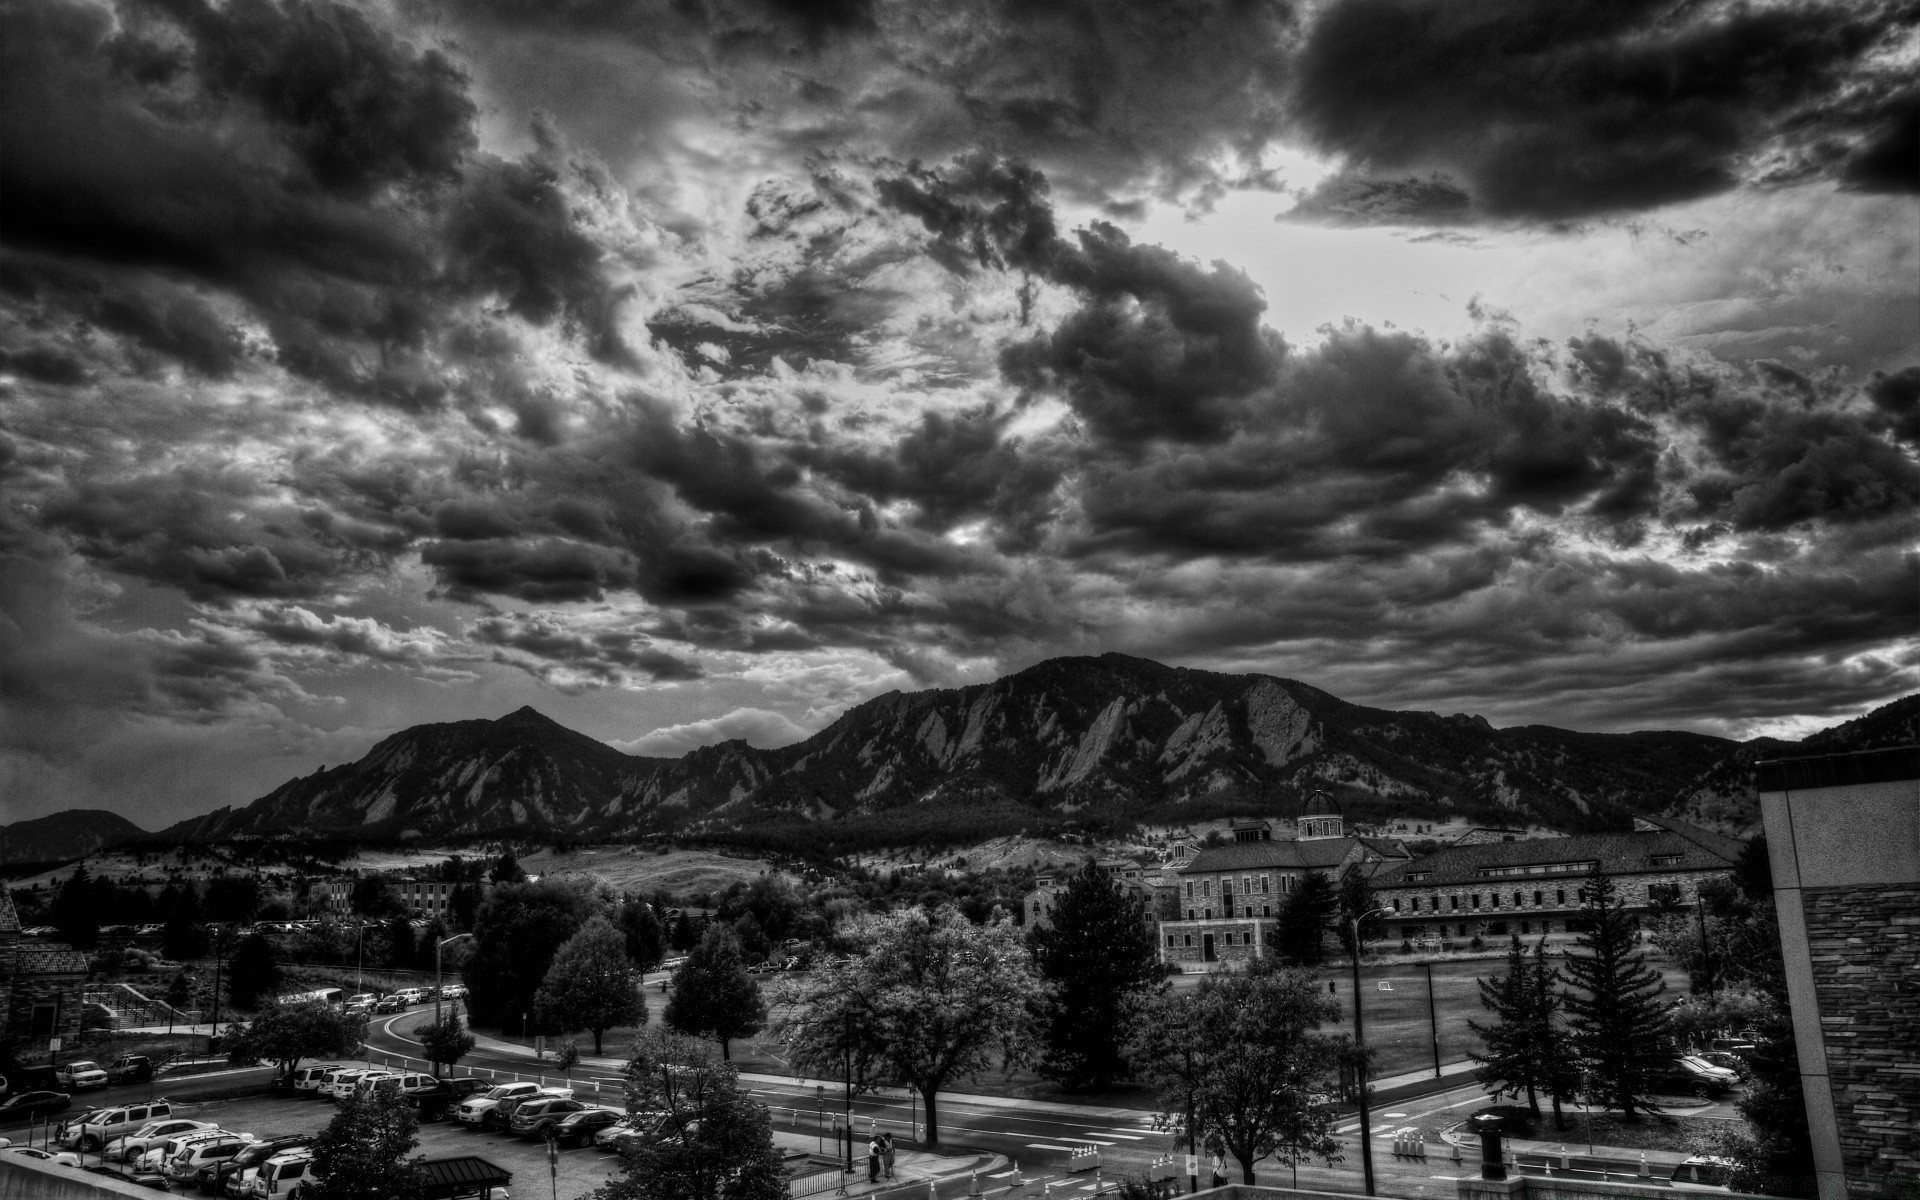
(609, 656)
(1566, 110)
(1343, 199)
(1897, 394)
(1889, 161)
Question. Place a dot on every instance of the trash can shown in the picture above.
(1493, 1162)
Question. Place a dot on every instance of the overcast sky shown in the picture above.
(698, 369)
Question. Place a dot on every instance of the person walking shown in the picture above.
(1219, 1171)
(873, 1161)
(886, 1153)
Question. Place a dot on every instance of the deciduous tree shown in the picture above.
(929, 998)
(646, 941)
(1619, 1023)
(712, 1142)
(1243, 1047)
(713, 996)
(283, 1034)
(591, 984)
(1099, 959)
(253, 972)
(444, 1042)
(516, 934)
(362, 1153)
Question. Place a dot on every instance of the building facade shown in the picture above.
(1843, 839)
(1144, 881)
(41, 989)
(1226, 898)
(424, 898)
(1531, 886)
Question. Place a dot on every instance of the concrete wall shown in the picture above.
(1843, 836)
(24, 1178)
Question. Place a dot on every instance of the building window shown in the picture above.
(1559, 895)
(1209, 914)
(1476, 899)
(1666, 860)
(1495, 897)
(45, 1018)
(1264, 881)
(1189, 889)
(1206, 887)
(1516, 899)
(1169, 941)
(1188, 938)
(1663, 893)
(1396, 906)
(1190, 914)
(1453, 902)
(1526, 927)
(1537, 901)
(1266, 910)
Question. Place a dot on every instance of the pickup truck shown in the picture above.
(75, 1076)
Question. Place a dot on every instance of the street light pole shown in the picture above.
(1360, 1056)
(1433, 1020)
(1193, 1153)
(846, 1050)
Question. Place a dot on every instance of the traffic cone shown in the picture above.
(973, 1187)
(1646, 1172)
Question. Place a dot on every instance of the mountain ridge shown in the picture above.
(1066, 739)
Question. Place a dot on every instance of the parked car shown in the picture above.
(437, 1100)
(536, 1114)
(1704, 1170)
(214, 1179)
(111, 1123)
(483, 1110)
(156, 1157)
(1699, 1075)
(22, 1107)
(130, 1068)
(78, 1076)
(72, 1124)
(452, 991)
(639, 1127)
(411, 996)
(186, 1164)
(390, 1004)
(60, 1158)
(407, 1083)
(580, 1128)
(130, 1145)
(280, 1174)
(339, 1083)
(307, 1080)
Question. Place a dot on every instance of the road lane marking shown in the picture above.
(1049, 1146)
(1132, 1137)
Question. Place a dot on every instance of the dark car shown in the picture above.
(435, 1102)
(30, 1106)
(577, 1129)
(535, 1115)
(130, 1068)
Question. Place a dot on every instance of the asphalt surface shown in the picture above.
(1039, 1140)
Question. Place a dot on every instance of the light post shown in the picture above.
(437, 946)
(846, 1047)
(1433, 1020)
(1360, 1053)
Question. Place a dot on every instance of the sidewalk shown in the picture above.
(909, 1166)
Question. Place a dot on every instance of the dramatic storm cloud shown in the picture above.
(693, 371)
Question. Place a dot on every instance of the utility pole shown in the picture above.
(436, 971)
(846, 1047)
(1706, 956)
(1193, 1153)
(1433, 1021)
(1360, 1056)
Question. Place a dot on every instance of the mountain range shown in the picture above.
(1069, 740)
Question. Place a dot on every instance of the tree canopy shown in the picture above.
(646, 940)
(1099, 959)
(590, 984)
(1526, 1050)
(254, 972)
(284, 1034)
(516, 935)
(1299, 933)
(928, 998)
(712, 1142)
(713, 996)
(362, 1153)
(445, 1042)
(1242, 1045)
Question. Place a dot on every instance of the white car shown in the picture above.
(127, 1147)
(412, 995)
(58, 1158)
(77, 1075)
(308, 1079)
(280, 1173)
(340, 1084)
(156, 1157)
(453, 991)
(187, 1162)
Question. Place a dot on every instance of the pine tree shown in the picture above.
(591, 985)
(713, 996)
(1099, 956)
(1356, 901)
(184, 938)
(253, 972)
(507, 869)
(683, 937)
(1508, 1068)
(646, 941)
(1303, 921)
(73, 913)
(1619, 1025)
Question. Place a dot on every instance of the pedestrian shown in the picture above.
(873, 1161)
(886, 1153)
(1219, 1171)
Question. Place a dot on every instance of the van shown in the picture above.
(116, 1122)
(308, 1079)
(411, 995)
(405, 1083)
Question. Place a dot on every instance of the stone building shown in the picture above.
(426, 898)
(1227, 897)
(1146, 882)
(1532, 885)
(1843, 838)
(41, 983)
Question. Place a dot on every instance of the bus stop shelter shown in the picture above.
(468, 1177)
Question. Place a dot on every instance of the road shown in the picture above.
(1037, 1138)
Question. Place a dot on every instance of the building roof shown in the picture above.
(1320, 805)
(1317, 855)
(1618, 854)
(466, 1175)
(1713, 843)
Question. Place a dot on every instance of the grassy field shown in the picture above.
(644, 869)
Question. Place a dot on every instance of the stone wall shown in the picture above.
(1865, 948)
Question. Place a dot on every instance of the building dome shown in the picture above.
(1320, 817)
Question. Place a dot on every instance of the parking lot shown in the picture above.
(580, 1171)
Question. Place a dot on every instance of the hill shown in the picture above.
(1068, 743)
(74, 833)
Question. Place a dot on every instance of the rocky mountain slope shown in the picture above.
(63, 835)
(1070, 738)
